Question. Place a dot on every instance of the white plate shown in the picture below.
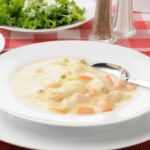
(36, 136)
(94, 52)
(89, 14)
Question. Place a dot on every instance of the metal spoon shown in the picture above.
(121, 73)
(2, 42)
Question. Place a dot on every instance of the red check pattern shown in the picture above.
(141, 43)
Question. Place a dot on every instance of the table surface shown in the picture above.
(140, 43)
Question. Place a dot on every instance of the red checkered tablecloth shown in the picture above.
(141, 43)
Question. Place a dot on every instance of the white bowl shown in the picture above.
(94, 52)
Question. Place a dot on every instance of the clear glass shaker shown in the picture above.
(103, 22)
(123, 20)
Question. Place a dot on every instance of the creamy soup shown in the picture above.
(70, 85)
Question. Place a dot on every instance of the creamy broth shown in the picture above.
(69, 86)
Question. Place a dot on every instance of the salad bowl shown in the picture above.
(89, 7)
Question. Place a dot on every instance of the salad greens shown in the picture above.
(38, 14)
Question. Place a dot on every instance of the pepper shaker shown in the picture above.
(123, 20)
(103, 22)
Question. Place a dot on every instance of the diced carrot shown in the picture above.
(92, 92)
(85, 110)
(108, 80)
(60, 110)
(121, 85)
(85, 77)
(106, 106)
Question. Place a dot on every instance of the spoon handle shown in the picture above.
(143, 83)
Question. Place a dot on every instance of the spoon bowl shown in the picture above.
(113, 69)
(122, 73)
